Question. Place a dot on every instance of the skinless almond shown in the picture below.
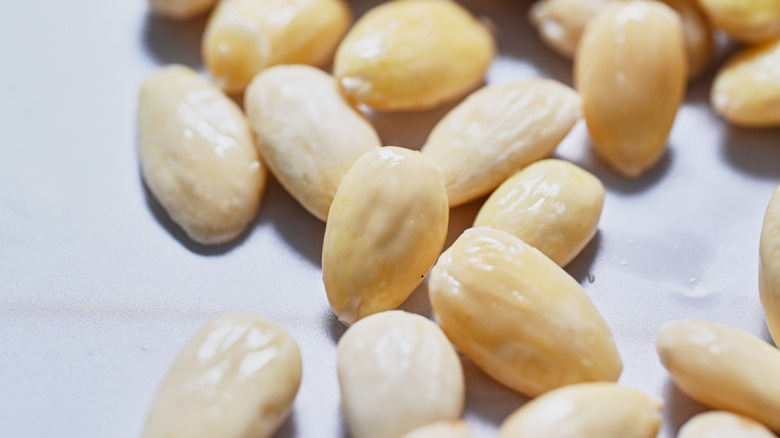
(397, 372)
(519, 316)
(723, 368)
(697, 34)
(631, 85)
(603, 410)
(723, 425)
(749, 21)
(243, 37)
(237, 378)
(386, 226)
(441, 429)
(769, 266)
(746, 91)
(197, 155)
(552, 205)
(307, 133)
(413, 54)
(497, 131)
(181, 9)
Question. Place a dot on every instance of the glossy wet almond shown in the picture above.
(307, 133)
(749, 21)
(413, 54)
(441, 429)
(386, 226)
(769, 266)
(723, 425)
(697, 34)
(397, 372)
(631, 85)
(181, 9)
(552, 205)
(603, 410)
(197, 155)
(518, 315)
(723, 368)
(497, 131)
(746, 91)
(237, 378)
(243, 37)
(560, 22)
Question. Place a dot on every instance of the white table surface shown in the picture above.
(99, 290)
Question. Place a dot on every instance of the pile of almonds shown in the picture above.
(499, 293)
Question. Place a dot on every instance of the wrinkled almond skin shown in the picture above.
(749, 21)
(746, 91)
(398, 372)
(386, 226)
(243, 37)
(413, 55)
(237, 378)
(308, 135)
(769, 266)
(603, 410)
(723, 425)
(181, 9)
(441, 429)
(197, 155)
(723, 368)
(552, 205)
(519, 316)
(497, 131)
(631, 85)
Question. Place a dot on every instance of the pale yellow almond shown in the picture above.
(769, 266)
(749, 21)
(237, 378)
(631, 85)
(197, 155)
(723, 368)
(598, 410)
(307, 133)
(560, 22)
(552, 205)
(497, 131)
(519, 316)
(746, 91)
(181, 9)
(441, 429)
(413, 54)
(397, 372)
(243, 37)
(386, 226)
(723, 425)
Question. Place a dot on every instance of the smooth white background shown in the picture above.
(99, 290)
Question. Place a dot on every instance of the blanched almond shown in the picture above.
(746, 91)
(397, 372)
(499, 130)
(749, 21)
(307, 133)
(518, 315)
(769, 266)
(723, 425)
(197, 155)
(237, 378)
(243, 37)
(597, 410)
(181, 9)
(723, 368)
(441, 429)
(413, 54)
(552, 205)
(386, 226)
(631, 84)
